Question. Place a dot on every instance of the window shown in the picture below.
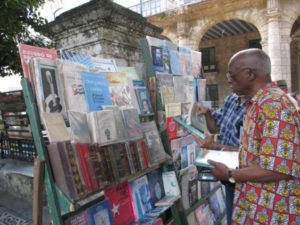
(255, 43)
(209, 59)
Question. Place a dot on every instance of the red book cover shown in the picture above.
(171, 128)
(141, 144)
(27, 52)
(159, 221)
(81, 151)
(121, 203)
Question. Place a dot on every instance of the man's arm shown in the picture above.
(210, 121)
(252, 173)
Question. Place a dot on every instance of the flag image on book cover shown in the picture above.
(141, 196)
(27, 52)
(121, 203)
(100, 214)
(96, 91)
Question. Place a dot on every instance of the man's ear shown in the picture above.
(252, 75)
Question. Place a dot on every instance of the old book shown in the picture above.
(80, 218)
(144, 101)
(61, 170)
(165, 88)
(79, 127)
(155, 147)
(121, 203)
(189, 127)
(27, 52)
(155, 186)
(201, 90)
(103, 65)
(48, 89)
(229, 158)
(130, 72)
(174, 57)
(196, 63)
(131, 123)
(96, 91)
(215, 207)
(170, 183)
(142, 152)
(171, 126)
(107, 164)
(156, 53)
(119, 160)
(133, 157)
(56, 127)
(184, 89)
(185, 61)
(100, 214)
(173, 109)
(196, 120)
(204, 215)
(72, 85)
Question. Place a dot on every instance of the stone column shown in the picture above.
(278, 46)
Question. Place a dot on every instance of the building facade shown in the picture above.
(219, 28)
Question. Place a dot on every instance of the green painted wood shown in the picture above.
(34, 119)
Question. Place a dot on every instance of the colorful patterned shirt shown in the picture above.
(229, 119)
(271, 140)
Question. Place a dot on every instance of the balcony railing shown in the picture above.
(152, 7)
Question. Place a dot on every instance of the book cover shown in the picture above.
(215, 207)
(170, 183)
(185, 60)
(78, 219)
(142, 152)
(76, 57)
(119, 160)
(201, 89)
(204, 215)
(27, 52)
(155, 186)
(196, 63)
(167, 200)
(120, 201)
(96, 91)
(196, 120)
(189, 128)
(144, 101)
(173, 57)
(176, 153)
(119, 89)
(79, 127)
(72, 85)
(171, 126)
(155, 147)
(156, 53)
(103, 65)
(229, 158)
(165, 88)
(141, 196)
(131, 123)
(184, 156)
(173, 109)
(56, 128)
(100, 214)
(130, 72)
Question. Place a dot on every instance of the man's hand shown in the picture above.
(202, 110)
(207, 142)
(220, 170)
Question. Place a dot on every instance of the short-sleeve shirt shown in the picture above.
(271, 140)
(229, 119)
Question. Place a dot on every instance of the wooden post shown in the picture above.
(37, 200)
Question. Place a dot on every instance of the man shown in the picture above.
(227, 121)
(267, 181)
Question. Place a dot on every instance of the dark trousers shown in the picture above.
(229, 195)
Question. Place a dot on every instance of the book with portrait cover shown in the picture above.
(155, 147)
(27, 52)
(144, 101)
(121, 203)
(100, 214)
(96, 91)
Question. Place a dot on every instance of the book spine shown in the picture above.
(107, 164)
(90, 167)
(139, 152)
(129, 156)
(109, 152)
(83, 166)
(75, 170)
(135, 156)
(96, 164)
(124, 159)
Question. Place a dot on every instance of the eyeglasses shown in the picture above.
(231, 76)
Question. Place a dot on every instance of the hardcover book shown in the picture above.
(73, 89)
(120, 201)
(119, 160)
(96, 91)
(100, 214)
(141, 196)
(171, 126)
(27, 52)
(155, 147)
(229, 158)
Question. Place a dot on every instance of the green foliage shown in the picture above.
(19, 18)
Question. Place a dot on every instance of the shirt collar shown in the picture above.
(261, 91)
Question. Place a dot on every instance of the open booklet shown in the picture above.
(229, 158)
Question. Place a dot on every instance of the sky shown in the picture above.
(48, 11)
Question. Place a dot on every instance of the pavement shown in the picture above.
(16, 179)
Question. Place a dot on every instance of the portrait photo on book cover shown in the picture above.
(50, 91)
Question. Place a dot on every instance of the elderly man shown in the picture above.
(268, 179)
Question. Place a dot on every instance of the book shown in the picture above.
(165, 88)
(196, 120)
(103, 65)
(185, 60)
(196, 63)
(155, 147)
(201, 90)
(143, 98)
(120, 201)
(80, 218)
(155, 186)
(170, 183)
(184, 89)
(130, 72)
(229, 158)
(141, 196)
(215, 206)
(167, 201)
(27, 52)
(204, 215)
(131, 123)
(173, 57)
(79, 127)
(56, 127)
(189, 128)
(100, 214)
(72, 86)
(173, 109)
(171, 126)
(96, 91)
(119, 160)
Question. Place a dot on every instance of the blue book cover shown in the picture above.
(96, 90)
(156, 186)
(100, 214)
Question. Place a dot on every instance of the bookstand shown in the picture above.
(157, 106)
(58, 203)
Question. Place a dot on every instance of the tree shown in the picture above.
(19, 20)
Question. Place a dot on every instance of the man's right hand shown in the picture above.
(202, 110)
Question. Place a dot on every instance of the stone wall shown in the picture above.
(104, 29)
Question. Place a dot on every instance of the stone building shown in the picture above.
(219, 28)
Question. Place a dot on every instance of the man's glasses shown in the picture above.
(231, 76)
